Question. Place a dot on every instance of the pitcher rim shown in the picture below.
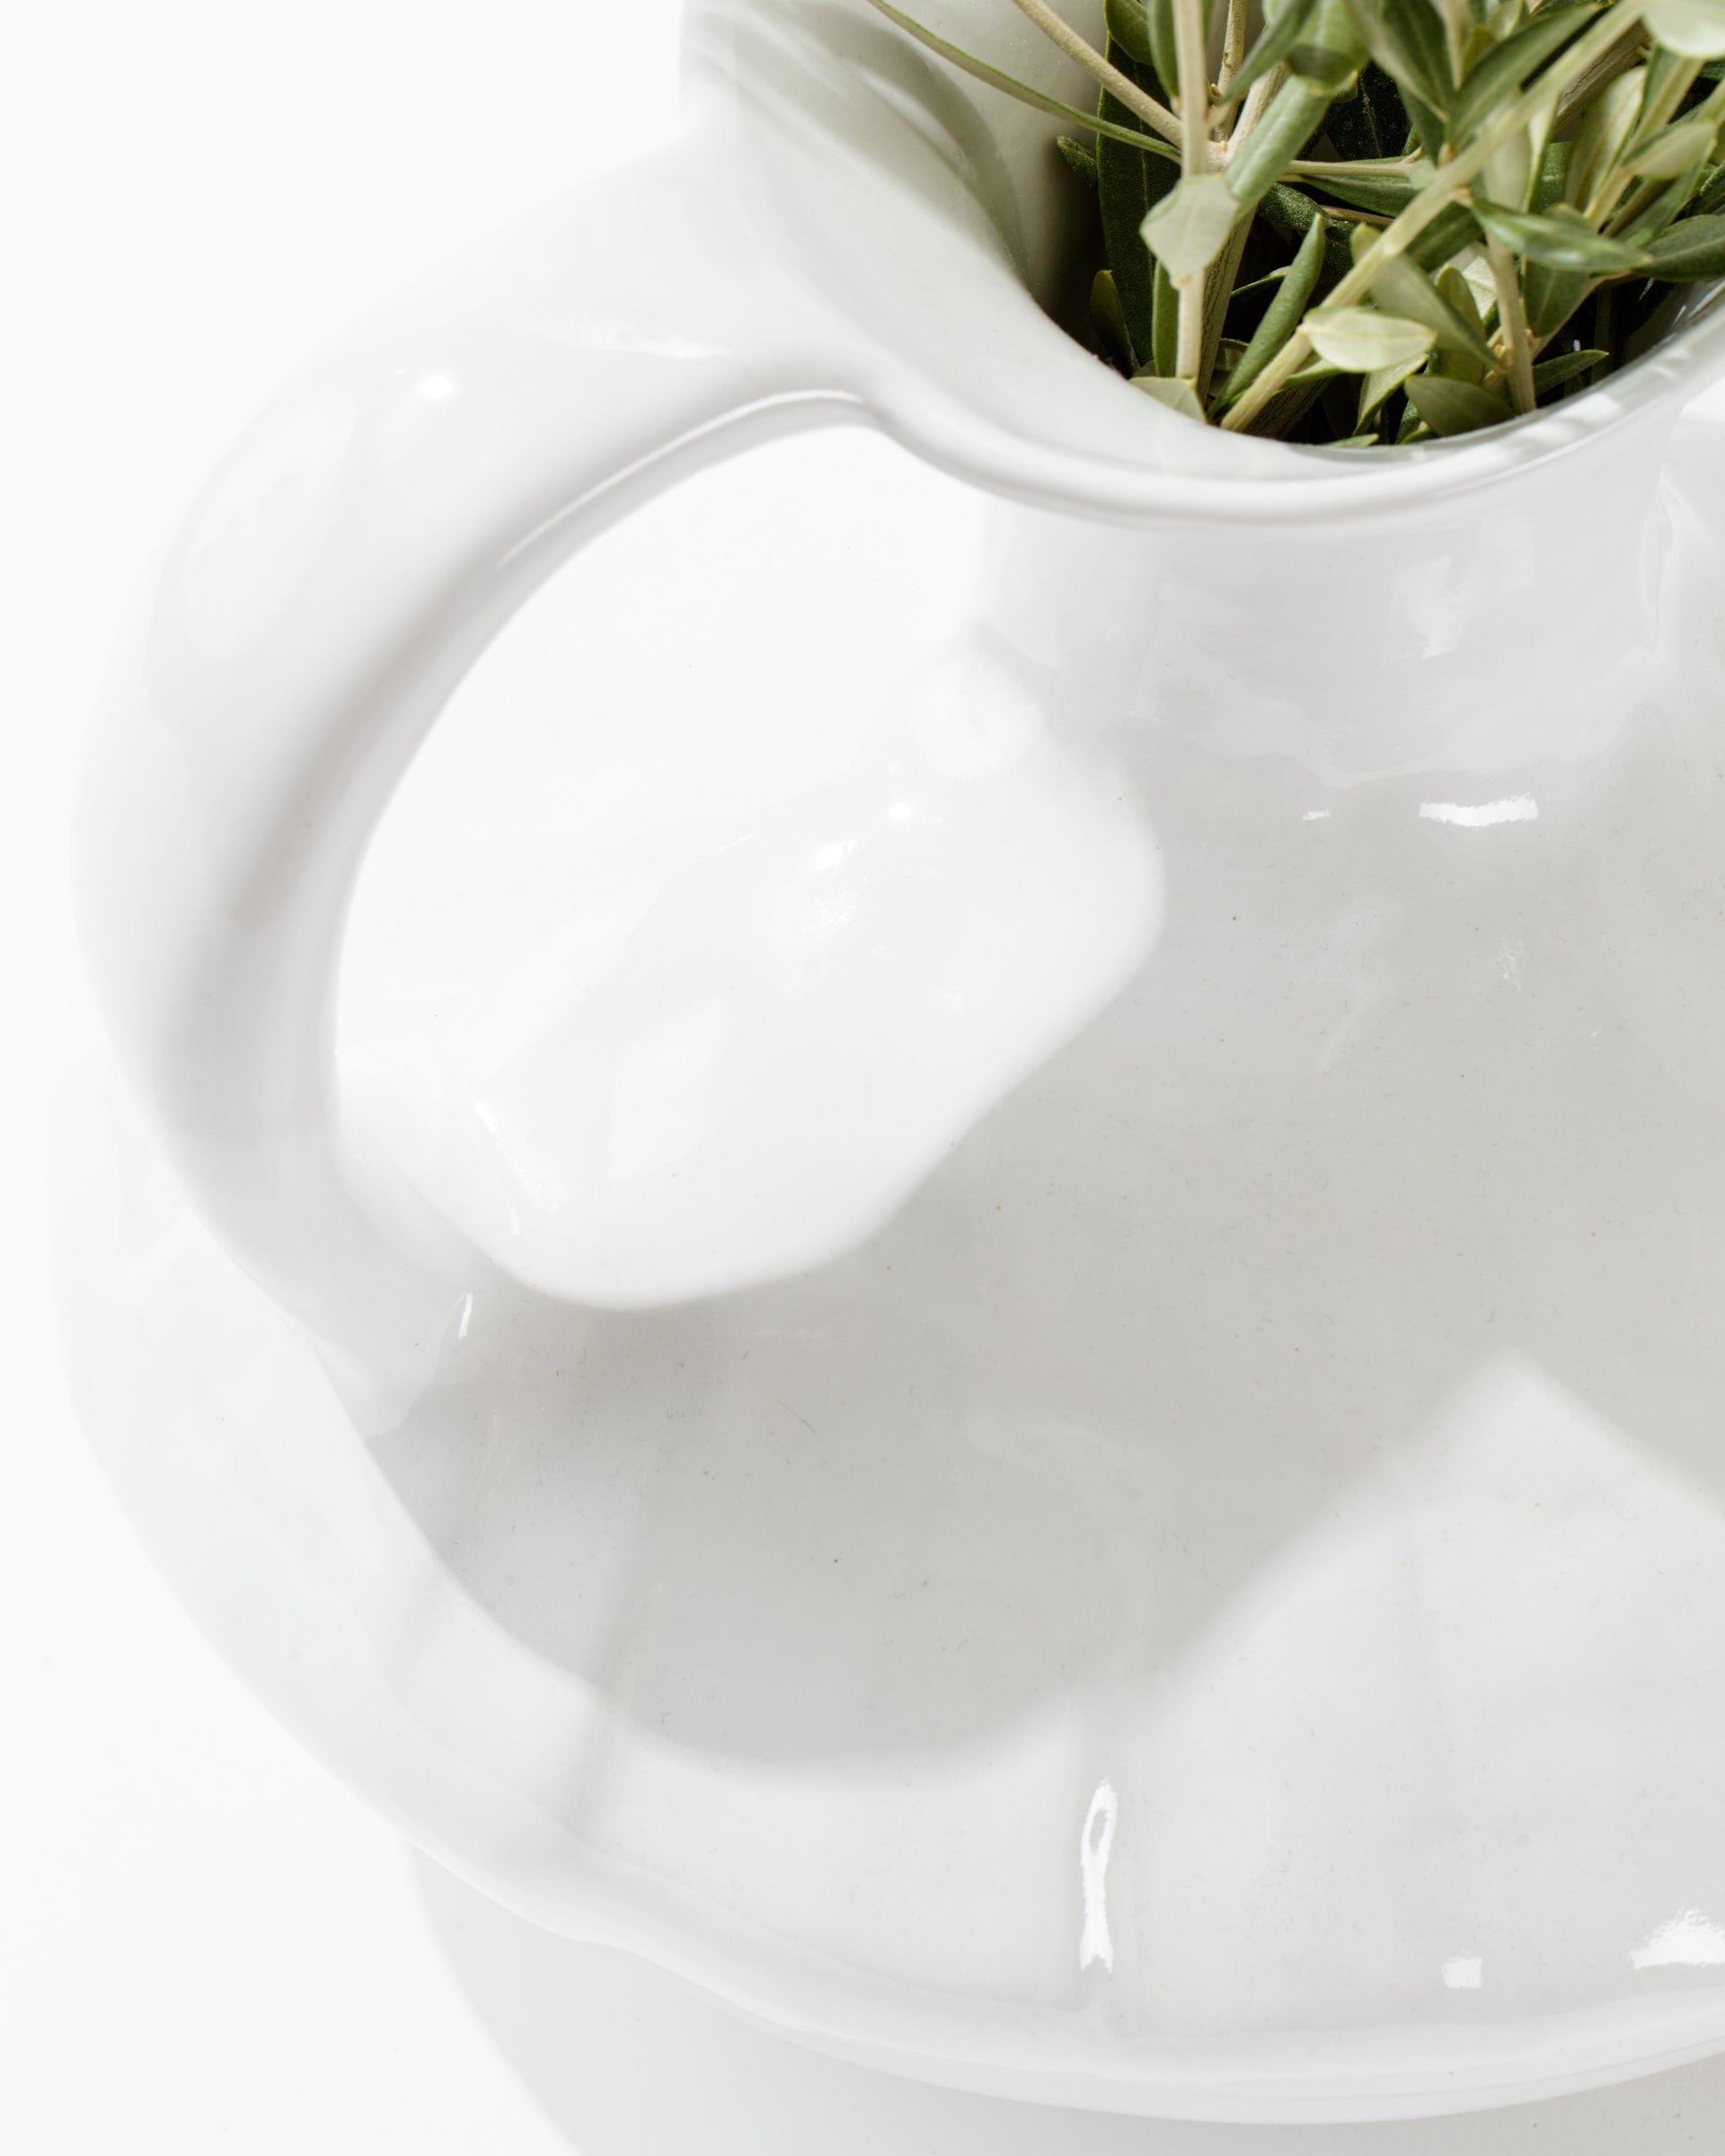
(1207, 473)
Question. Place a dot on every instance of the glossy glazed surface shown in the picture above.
(623, 2057)
(1036, 1384)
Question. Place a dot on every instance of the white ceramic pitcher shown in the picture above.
(1103, 1330)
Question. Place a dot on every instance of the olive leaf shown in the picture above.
(1271, 279)
(1294, 399)
(1330, 53)
(1189, 227)
(1550, 297)
(1407, 41)
(981, 71)
(1282, 316)
(1130, 185)
(1321, 370)
(1321, 70)
(1560, 237)
(1381, 383)
(1164, 324)
(1420, 24)
(1374, 124)
(1163, 41)
(1478, 39)
(1461, 295)
(1449, 233)
(1177, 395)
(1664, 209)
(1695, 248)
(1293, 214)
(1359, 340)
(1275, 41)
(1552, 374)
(1509, 176)
(1445, 359)
(1127, 28)
(1294, 114)
(1553, 174)
(1673, 150)
(1455, 407)
(1400, 60)
(1668, 206)
(1578, 139)
(1667, 78)
(1600, 139)
(1694, 28)
(1383, 192)
(1228, 353)
(1401, 288)
(1106, 313)
(1506, 66)
(1079, 160)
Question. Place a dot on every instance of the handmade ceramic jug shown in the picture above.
(1050, 1406)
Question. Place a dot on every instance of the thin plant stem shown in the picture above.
(1607, 198)
(1194, 99)
(967, 63)
(1194, 104)
(1433, 200)
(1513, 318)
(1641, 198)
(1457, 23)
(1217, 301)
(1362, 168)
(1413, 200)
(1233, 46)
(1256, 105)
(1627, 54)
(1678, 86)
(1121, 86)
(1711, 109)
(1189, 350)
(1218, 292)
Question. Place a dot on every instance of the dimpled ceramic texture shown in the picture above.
(1047, 1402)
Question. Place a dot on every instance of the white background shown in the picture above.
(206, 1945)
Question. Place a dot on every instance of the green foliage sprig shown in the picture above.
(1360, 221)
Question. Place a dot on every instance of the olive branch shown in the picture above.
(1357, 221)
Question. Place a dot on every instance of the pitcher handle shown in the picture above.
(340, 573)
